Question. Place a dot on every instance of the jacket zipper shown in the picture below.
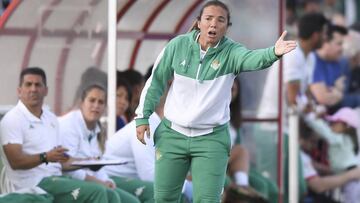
(198, 70)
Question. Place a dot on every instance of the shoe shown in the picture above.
(247, 194)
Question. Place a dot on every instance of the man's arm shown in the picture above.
(20, 160)
(325, 96)
(321, 184)
(292, 90)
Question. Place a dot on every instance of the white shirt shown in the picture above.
(308, 168)
(125, 145)
(36, 135)
(75, 136)
(298, 67)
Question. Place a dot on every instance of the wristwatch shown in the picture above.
(43, 158)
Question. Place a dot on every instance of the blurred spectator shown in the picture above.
(136, 81)
(246, 181)
(331, 75)
(298, 63)
(343, 144)
(319, 184)
(85, 137)
(123, 99)
(137, 175)
(327, 81)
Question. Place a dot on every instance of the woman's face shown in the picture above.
(122, 101)
(213, 25)
(93, 105)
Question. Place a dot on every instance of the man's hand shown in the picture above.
(340, 83)
(110, 184)
(58, 154)
(282, 47)
(140, 131)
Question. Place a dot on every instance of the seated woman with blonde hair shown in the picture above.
(85, 138)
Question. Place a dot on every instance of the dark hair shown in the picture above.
(32, 71)
(101, 136)
(235, 108)
(311, 23)
(335, 29)
(351, 132)
(133, 77)
(211, 3)
(305, 132)
(122, 82)
(148, 72)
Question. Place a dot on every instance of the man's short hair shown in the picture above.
(311, 23)
(335, 29)
(32, 71)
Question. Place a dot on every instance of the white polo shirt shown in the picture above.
(36, 135)
(81, 142)
(125, 145)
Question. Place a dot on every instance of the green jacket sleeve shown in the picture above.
(244, 60)
(154, 86)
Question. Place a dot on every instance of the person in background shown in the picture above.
(137, 176)
(136, 81)
(300, 63)
(343, 145)
(329, 82)
(243, 178)
(85, 138)
(123, 100)
(33, 153)
(317, 184)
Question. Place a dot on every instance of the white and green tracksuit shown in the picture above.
(196, 112)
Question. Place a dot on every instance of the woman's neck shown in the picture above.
(90, 125)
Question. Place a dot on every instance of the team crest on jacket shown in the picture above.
(215, 64)
(183, 63)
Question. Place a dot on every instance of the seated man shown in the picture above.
(30, 140)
